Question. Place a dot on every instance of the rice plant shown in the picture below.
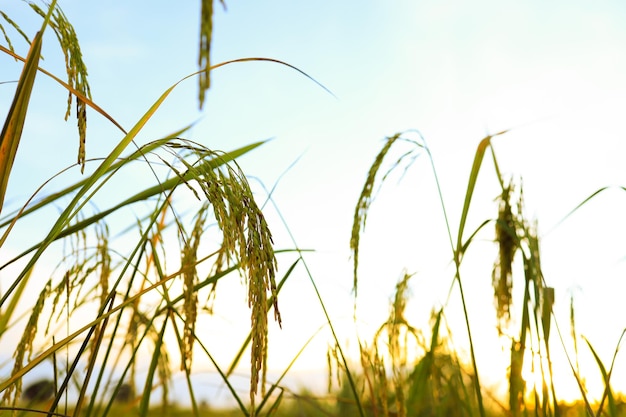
(423, 387)
(113, 301)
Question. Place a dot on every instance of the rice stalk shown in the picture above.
(71, 285)
(459, 250)
(114, 365)
(132, 340)
(574, 335)
(547, 303)
(513, 234)
(140, 320)
(397, 322)
(399, 362)
(153, 368)
(184, 365)
(335, 352)
(542, 310)
(148, 324)
(535, 328)
(517, 384)
(94, 347)
(244, 410)
(576, 374)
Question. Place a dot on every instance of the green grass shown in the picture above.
(117, 307)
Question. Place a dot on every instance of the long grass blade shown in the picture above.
(229, 386)
(478, 159)
(606, 377)
(14, 123)
(5, 316)
(351, 379)
(582, 203)
(575, 372)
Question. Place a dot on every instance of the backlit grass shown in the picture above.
(116, 317)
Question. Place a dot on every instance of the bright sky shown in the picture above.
(551, 72)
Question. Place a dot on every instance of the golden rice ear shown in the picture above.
(14, 26)
(190, 279)
(508, 243)
(204, 54)
(76, 71)
(247, 238)
(24, 348)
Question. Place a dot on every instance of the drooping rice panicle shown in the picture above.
(506, 237)
(76, 73)
(363, 204)
(24, 347)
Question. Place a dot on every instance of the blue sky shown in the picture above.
(454, 70)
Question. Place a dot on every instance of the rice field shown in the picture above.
(117, 320)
